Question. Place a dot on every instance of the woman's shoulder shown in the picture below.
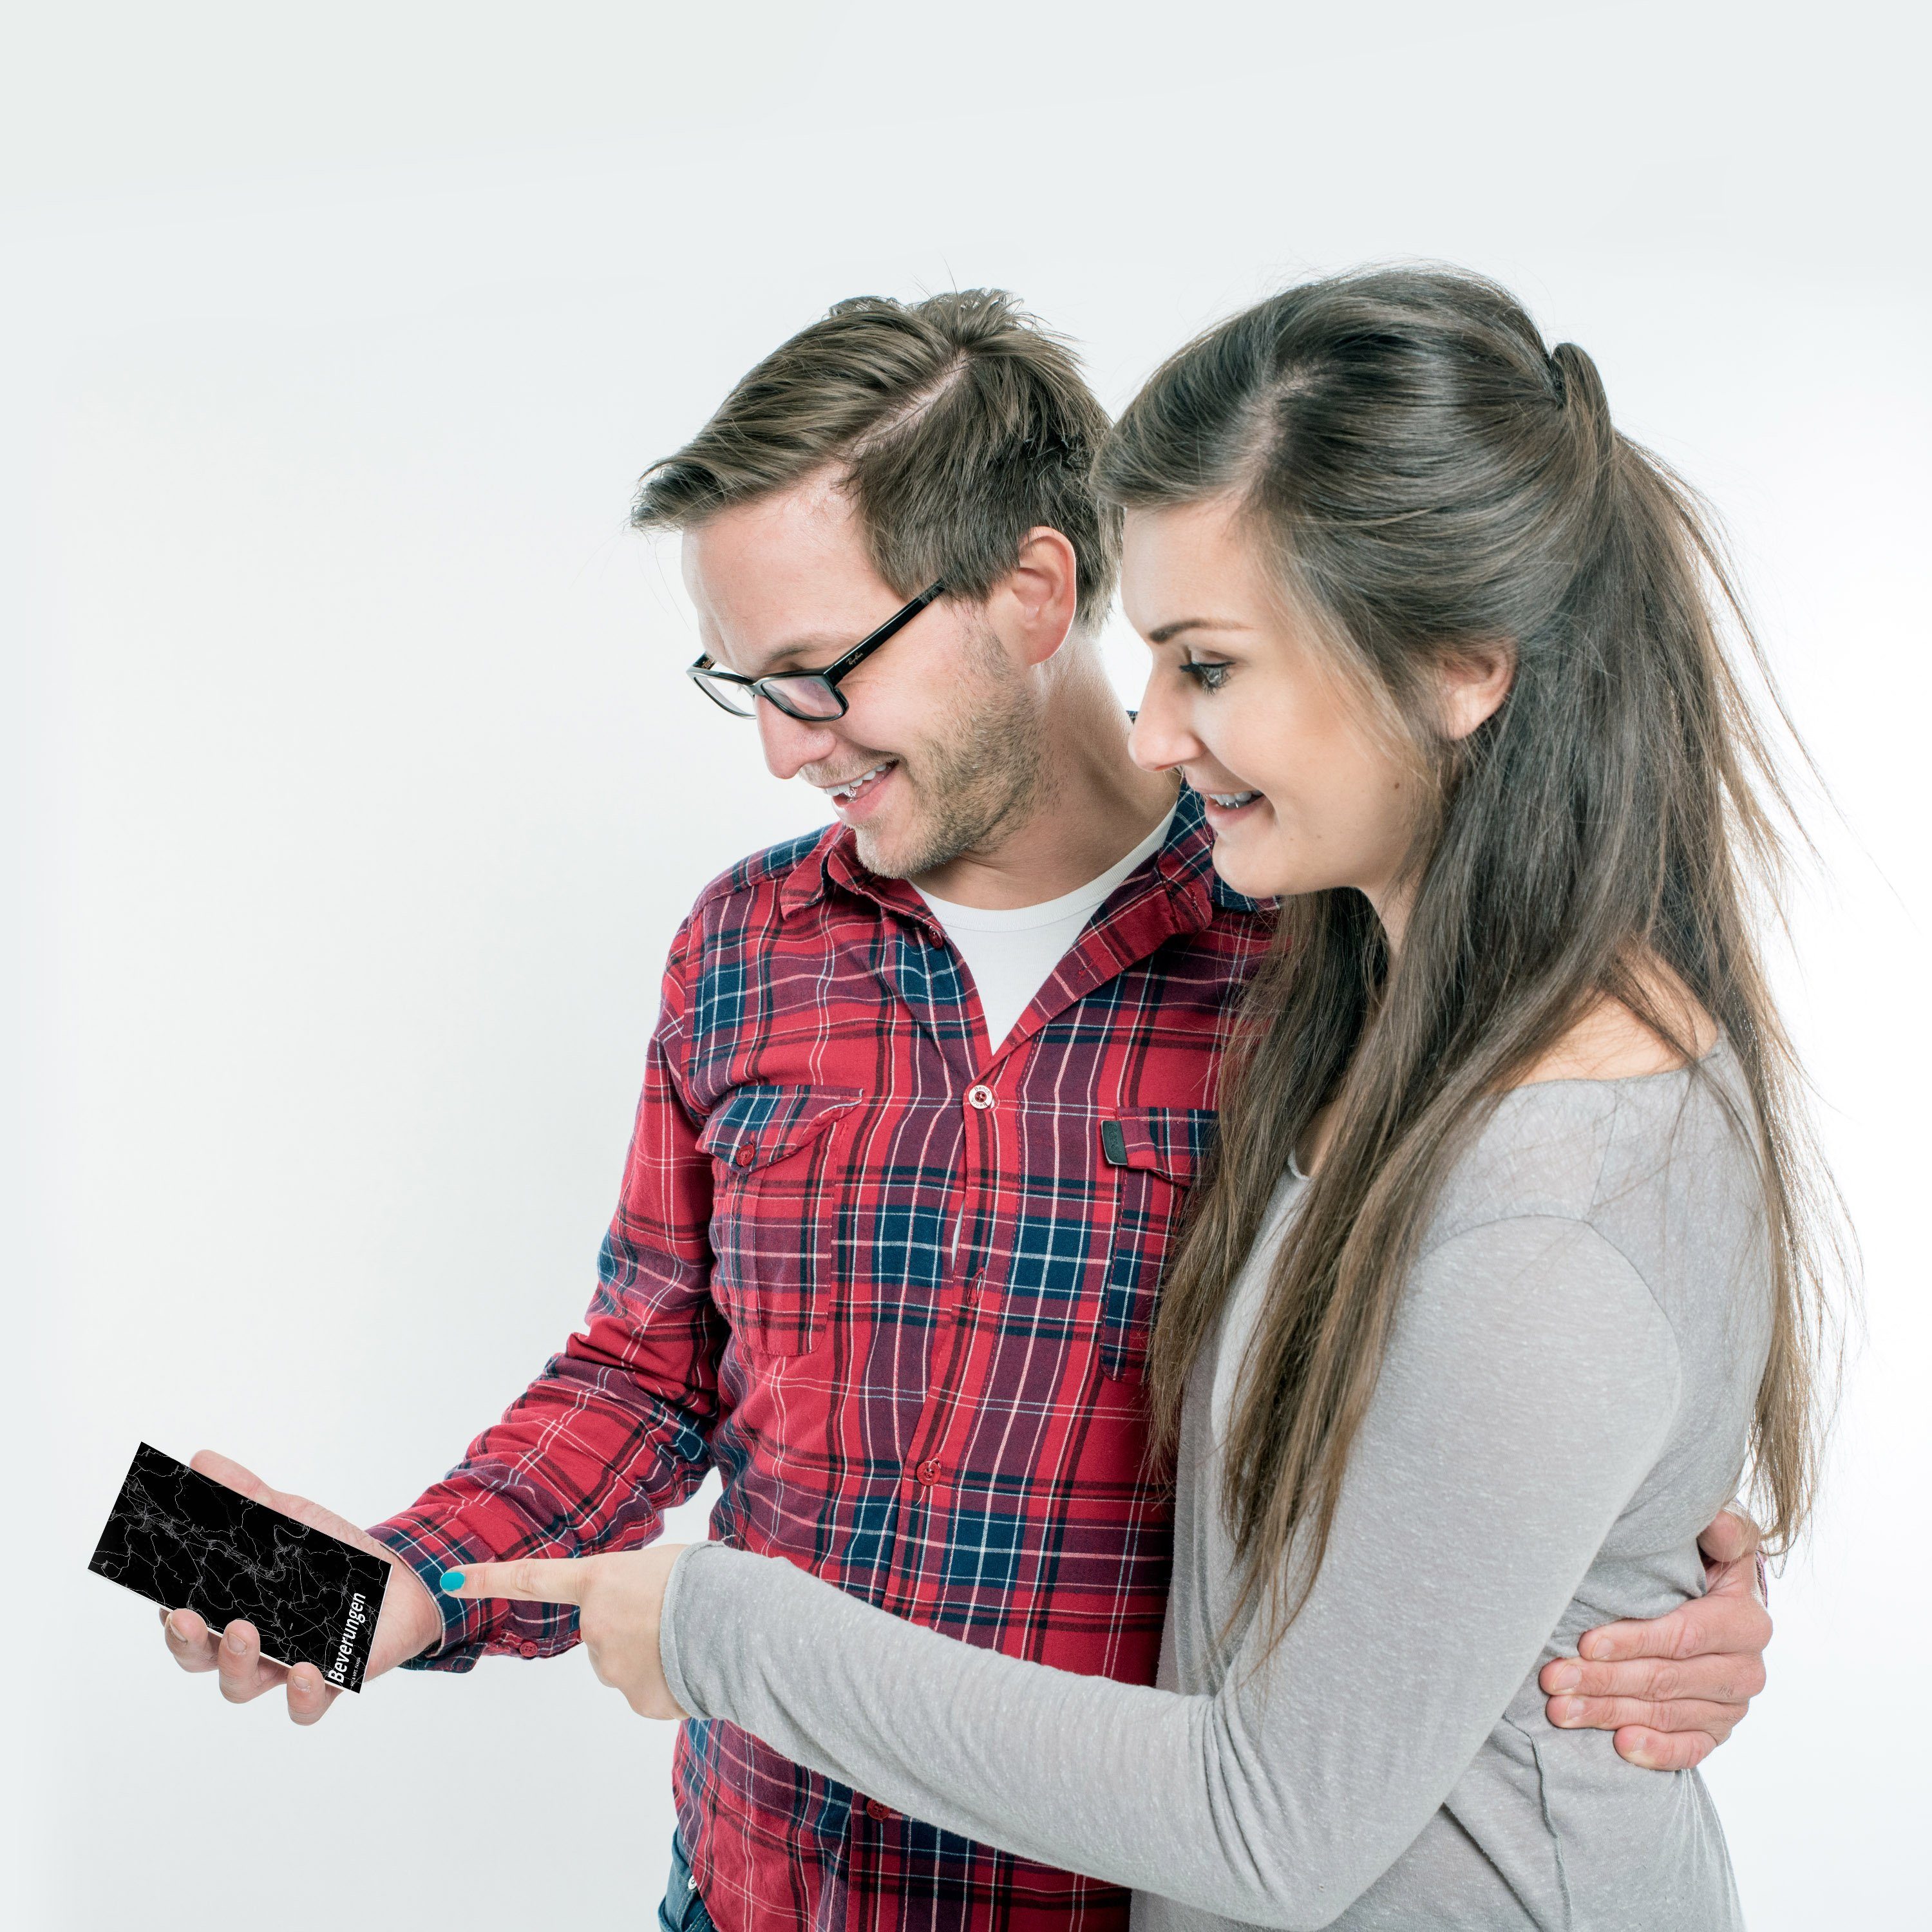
(1615, 1116)
(1610, 1041)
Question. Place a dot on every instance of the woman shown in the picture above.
(1508, 1261)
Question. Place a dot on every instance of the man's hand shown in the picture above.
(1673, 1688)
(619, 1602)
(409, 1623)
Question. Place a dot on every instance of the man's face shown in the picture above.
(941, 746)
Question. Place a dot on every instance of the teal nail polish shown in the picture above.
(451, 1579)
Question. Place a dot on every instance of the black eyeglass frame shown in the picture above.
(830, 677)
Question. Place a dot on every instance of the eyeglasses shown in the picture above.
(812, 695)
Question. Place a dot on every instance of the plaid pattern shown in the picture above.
(898, 1288)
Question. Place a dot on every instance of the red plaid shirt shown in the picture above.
(897, 1287)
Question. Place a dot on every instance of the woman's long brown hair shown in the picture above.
(1425, 477)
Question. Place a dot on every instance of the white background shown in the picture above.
(356, 790)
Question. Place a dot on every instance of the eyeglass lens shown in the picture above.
(803, 697)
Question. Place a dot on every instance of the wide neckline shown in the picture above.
(1717, 1050)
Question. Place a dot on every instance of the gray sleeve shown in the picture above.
(1529, 1385)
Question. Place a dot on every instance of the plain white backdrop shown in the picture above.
(354, 789)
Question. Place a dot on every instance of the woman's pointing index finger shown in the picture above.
(529, 1579)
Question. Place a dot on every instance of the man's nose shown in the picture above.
(791, 743)
(1162, 736)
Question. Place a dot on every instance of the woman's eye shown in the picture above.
(1209, 674)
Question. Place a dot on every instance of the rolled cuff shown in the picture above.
(473, 1627)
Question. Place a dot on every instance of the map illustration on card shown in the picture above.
(186, 1542)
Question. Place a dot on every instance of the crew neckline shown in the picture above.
(1049, 912)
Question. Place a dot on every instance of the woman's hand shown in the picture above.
(620, 1599)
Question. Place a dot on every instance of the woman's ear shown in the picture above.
(1475, 681)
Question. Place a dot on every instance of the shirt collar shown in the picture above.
(1184, 864)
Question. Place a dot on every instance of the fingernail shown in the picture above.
(169, 1621)
(1569, 1709)
(232, 1641)
(1567, 1678)
(451, 1579)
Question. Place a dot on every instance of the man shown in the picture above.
(924, 1098)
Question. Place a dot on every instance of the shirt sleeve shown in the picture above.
(617, 1427)
(1528, 1387)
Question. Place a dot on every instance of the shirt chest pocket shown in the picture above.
(777, 1193)
(1154, 1153)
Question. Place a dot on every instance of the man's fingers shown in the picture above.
(1727, 1678)
(236, 1653)
(1730, 1539)
(245, 1672)
(1664, 1751)
(309, 1696)
(1616, 1643)
(1723, 1623)
(1735, 1583)
(1613, 1714)
(189, 1641)
(530, 1579)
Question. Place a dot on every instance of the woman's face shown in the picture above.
(1303, 791)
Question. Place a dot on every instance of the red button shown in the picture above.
(929, 1471)
(980, 1097)
(527, 1649)
(874, 1809)
(744, 1157)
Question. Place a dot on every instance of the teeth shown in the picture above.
(848, 789)
(1231, 799)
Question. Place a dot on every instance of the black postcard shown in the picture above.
(186, 1542)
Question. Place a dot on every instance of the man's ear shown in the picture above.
(1033, 607)
(1475, 680)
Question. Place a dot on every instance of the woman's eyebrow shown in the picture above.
(1167, 633)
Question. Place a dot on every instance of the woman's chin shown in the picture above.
(1250, 874)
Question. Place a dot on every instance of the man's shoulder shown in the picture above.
(757, 881)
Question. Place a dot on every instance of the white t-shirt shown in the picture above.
(1010, 953)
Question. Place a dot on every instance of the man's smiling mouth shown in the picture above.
(850, 788)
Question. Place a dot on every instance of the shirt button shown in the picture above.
(526, 1648)
(929, 1471)
(980, 1097)
(744, 1157)
(874, 1809)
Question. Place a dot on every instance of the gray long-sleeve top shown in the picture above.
(1564, 1406)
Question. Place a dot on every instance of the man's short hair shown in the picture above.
(957, 424)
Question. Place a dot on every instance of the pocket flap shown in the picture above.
(759, 1125)
(1170, 1142)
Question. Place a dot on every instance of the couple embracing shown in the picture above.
(1226, 1258)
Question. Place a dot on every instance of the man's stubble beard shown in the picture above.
(985, 774)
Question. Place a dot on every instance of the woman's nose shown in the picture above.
(1160, 738)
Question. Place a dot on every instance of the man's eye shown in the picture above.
(1209, 674)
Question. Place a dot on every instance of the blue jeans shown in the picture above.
(682, 1910)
